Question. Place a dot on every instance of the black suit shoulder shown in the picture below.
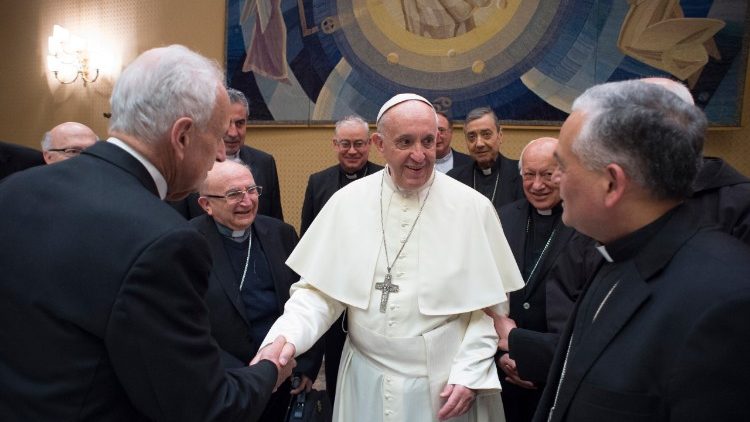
(679, 297)
(15, 158)
(722, 197)
(460, 159)
(263, 166)
(123, 284)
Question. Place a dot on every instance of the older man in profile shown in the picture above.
(660, 331)
(66, 140)
(113, 284)
(419, 347)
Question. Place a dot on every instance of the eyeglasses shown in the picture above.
(346, 144)
(67, 151)
(235, 196)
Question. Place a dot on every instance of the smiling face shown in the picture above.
(483, 140)
(226, 177)
(539, 167)
(407, 143)
(444, 137)
(351, 134)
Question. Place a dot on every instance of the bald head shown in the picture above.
(66, 140)
(675, 87)
(220, 173)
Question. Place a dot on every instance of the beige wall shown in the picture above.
(32, 102)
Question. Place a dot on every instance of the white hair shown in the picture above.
(161, 86)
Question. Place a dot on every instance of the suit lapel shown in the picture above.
(558, 244)
(329, 187)
(628, 295)
(222, 269)
(514, 226)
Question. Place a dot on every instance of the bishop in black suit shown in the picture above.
(490, 173)
(102, 294)
(555, 262)
(660, 331)
(249, 281)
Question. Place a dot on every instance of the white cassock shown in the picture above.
(433, 331)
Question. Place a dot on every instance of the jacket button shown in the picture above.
(526, 305)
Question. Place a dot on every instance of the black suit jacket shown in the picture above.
(722, 196)
(229, 324)
(263, 166)
(510, 188)
(15, 158)
(670, 342)
(461, 159)
(543, 306)
(320, 187)
(101, 302)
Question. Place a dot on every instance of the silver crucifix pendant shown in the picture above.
(387, 288)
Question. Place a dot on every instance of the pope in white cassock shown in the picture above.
(413, 256)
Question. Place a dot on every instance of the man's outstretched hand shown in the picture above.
(281, 353)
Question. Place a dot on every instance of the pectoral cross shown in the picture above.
(387, 287)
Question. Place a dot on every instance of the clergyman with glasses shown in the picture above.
(555, 261)
(492, 174)
(249, 281)
(66, 140)
(351, 143)
(413, 256)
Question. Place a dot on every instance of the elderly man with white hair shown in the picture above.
(413, 257)
(103, 310)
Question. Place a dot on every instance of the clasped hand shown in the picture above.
(281, 353)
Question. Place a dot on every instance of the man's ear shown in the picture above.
(179, 135)
(205, 204)
(333, 144)
(617, 184)
(377, 139)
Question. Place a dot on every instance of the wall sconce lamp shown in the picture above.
(69, 58)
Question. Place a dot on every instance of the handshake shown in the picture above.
(281, 354)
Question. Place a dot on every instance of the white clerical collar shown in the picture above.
(236, 235)
(422, 190)
(235, 157)
(444, 164)
(487, 171)
(159, 180)
(603, 250)
(544, 212)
